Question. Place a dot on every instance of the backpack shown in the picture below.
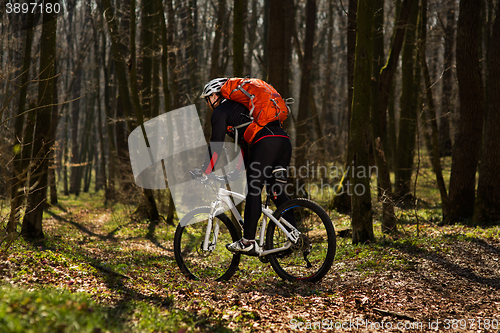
(263, 101)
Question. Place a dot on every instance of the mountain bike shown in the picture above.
(298, 239)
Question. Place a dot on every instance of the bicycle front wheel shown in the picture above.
(312, 256)
(216, 263)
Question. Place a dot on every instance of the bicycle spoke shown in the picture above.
(311, 257)
(196, 263)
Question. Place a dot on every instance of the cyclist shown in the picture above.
(270, 150)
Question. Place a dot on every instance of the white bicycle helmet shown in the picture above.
(213, 87)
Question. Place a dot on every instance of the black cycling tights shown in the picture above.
(266, 155)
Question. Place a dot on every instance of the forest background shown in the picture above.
(405, 86)
(78, 79)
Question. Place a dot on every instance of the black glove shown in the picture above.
(196, 173)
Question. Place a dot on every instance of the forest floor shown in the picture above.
(427, 278)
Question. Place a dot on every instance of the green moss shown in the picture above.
(52, 311)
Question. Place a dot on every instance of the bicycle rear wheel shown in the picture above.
(312, 256)
(195, 263)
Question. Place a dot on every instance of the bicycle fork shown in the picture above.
(207, 244)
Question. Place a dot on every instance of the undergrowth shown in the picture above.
(100, 269)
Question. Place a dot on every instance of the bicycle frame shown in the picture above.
(224, 196)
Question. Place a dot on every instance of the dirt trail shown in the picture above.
(456, 283)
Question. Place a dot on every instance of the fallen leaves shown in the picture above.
(457, 277)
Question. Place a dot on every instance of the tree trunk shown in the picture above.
(225, 45)
(329, 92)
(386, 87)
(155, 80)
(172, 61)
(172, 58)
(303, 118)
(351, 57)
(76, 168)
(214, 67)
(193, 51)
(252, 37)
(408, 112)
(239, 23)
(53, 131)
(132, 64)
(379, 138)
(182, 44)
(360, 136)
(89, 141)
(387, 72)
(487, 206)
(65, 157)
(85, 145)
(318, 128)
(118, 58)
(19, 173)
(433, 140)
(124, 166)
(32, 223)
(125, 97)
(279, 44)
(166, 92)
(103, 179)
(89, 162)
(467, 147)
(164, 59)
(112, 152)
(445, 145)
(386, 196)
(75, 113)
(378, 62)
(147, 55)
(391, 129)
(265, 37)
(342, 202)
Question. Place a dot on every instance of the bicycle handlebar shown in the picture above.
(206, 178)
(213, 177)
